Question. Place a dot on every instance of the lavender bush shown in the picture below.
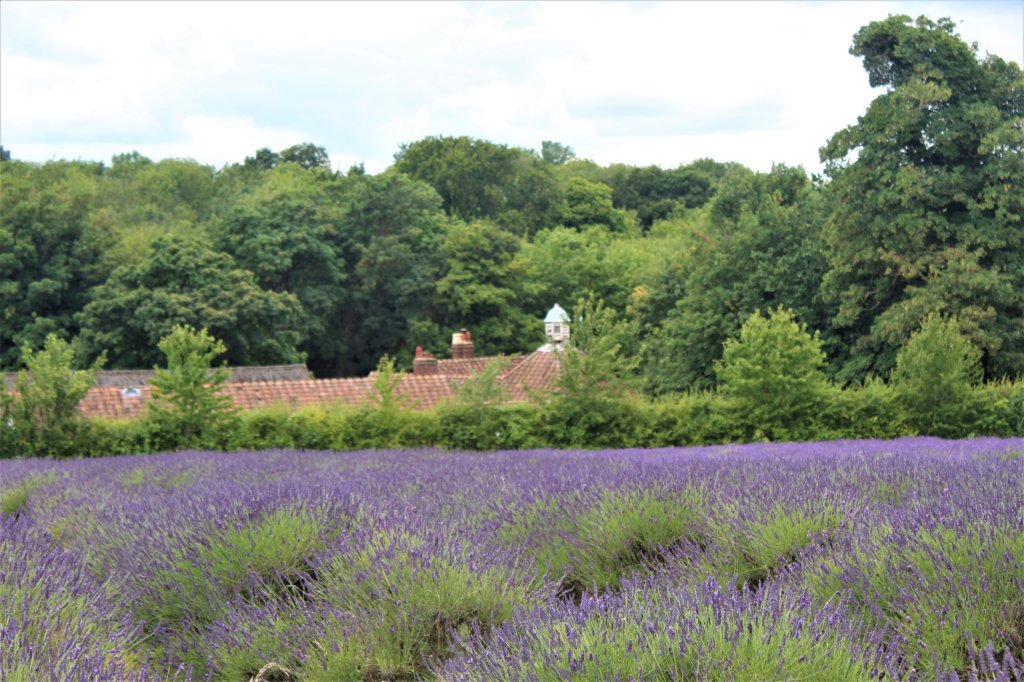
(891, 560)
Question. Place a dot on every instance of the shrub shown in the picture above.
(773, 374)
(41, 417)
(188, 408)
(933, 377)
(866, 410)
(997, 409)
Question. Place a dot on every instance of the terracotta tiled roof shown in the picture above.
(114, 403)
(525, 374)
(537, 371)
(462, 367)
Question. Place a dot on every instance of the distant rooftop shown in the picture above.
(137, 378)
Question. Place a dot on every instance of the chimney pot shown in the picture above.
(424, 364)
(462, 346)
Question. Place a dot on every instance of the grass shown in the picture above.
(16, 497)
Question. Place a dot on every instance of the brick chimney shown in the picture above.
(424, 364)
(462, 345)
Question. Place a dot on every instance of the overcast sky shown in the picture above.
(638, 83)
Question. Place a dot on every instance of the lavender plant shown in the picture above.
(890, 560)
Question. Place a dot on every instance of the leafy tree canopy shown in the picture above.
(757, 245)
(50, 253)
(188, 405)
(184, 281)
(929, 201)
(480, 179)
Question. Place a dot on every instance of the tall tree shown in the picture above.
(390, 237)
(50, 253)
(479, 288)
(556, 153)
(481, 179)
(929, 199)
(306, 155)
(286, 233)
(184, 281)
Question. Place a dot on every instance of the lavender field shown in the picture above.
(899, 560)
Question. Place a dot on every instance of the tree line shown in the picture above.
(283, 259)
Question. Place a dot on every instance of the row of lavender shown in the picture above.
(853, 560)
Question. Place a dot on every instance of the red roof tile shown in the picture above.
(537, 371)
(525, 374)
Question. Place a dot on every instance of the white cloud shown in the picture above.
(654, 83)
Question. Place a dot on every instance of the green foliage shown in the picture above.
(390, 236)
(595, 548)
(755, 246)
(964, 584)
(286, 233)
(306, 155)
(188, 408)
(14, 498)
(773, 374)
(184, 281)
(50, 254)
(764, 546)
(480, 179)
(479, 288)
(865, 410)
(564, 264)
(934, 375)
(439, 592)
(654, 193)
(722, 644)
(556, 153)
(928, 212)
(251, 558)
(41, 417)
(594, 380)
(590, 203)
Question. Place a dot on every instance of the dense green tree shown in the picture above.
(184, 281)
(773, 373)
(757, 245)
(595, 376)
(929, 201)
(285, 232)
(590, 203)
(478, 290)
(654, 193)
(263, 159)
(934, 375)
(138, 200)
(50, 253)
(480, 179)
(564, 264)
(390, 235)
(556, 153)
(307, 155)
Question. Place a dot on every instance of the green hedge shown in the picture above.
(871, 410)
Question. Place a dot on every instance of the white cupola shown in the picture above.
(556, 325)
